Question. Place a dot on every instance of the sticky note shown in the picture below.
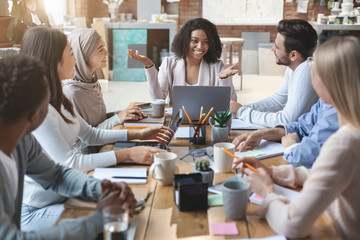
(215, 200)
(228, 228)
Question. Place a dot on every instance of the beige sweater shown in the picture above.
(332, 185)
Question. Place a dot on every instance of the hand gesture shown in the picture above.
(116, 194)
(162, 134)
(246, 140)
(230, 71)
(141, 58)
(131, 113)
(260, 182)
(141, 154)
(290, 139)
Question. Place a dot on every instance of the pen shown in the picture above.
(128, 177)
(136, 127)
(246, 164)
(207, 115)
(201, 111)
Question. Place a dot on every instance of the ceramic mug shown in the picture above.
(158, 107)
(235, 198)
(223, 161)
(164, 167)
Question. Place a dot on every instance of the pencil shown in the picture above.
(201, 112)
(207, 115)
(186, 114)
(246, 164)
(136, 127)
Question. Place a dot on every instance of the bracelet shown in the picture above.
(149, 66)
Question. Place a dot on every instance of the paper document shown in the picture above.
(182, 132)
(288, 193)
(128, 175)
(240, 124)
(265, 149)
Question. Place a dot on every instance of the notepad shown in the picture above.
(288, 193)
(128, 175)
(215, 200)
(265, 149)
(228, 228)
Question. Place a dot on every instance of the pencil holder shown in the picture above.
(197, 133)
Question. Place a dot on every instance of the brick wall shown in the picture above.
(189, 9)
(193, 8)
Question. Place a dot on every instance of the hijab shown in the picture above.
(84, 43)
(84, 90)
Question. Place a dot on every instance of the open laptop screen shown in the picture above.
(193, 97)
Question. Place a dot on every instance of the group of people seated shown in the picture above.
(53, 119)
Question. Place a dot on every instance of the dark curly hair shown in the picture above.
(180, 45)
(48, 44)
(23, 86)
(299, 35)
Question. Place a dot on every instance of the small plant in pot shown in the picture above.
(220, 129)
(202, 166)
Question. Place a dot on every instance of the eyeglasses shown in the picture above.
(310, 61)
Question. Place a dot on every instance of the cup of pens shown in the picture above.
(197, 133)
(197, 129)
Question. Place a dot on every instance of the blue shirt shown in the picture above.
(313, 129)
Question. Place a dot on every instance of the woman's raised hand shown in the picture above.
(141, 58)
(230, 71)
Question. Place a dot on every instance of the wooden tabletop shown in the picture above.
(161, 218)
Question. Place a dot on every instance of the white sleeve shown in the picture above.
(158, 83)
(53, 141)
(110, 122)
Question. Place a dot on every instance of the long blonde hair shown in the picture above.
(338, 65)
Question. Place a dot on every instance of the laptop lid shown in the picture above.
(193, 97)
(174, 125)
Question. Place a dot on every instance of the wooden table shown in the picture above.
(161, 219)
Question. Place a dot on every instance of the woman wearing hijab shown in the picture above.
(84, 90)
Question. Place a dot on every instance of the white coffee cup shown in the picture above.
(158, 107)
(164, 167)
(223, 161)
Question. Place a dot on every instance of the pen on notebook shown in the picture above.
(128, 177)
(246, 164)
(135, 127)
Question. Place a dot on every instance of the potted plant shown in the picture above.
(202, 166)
(221, 128)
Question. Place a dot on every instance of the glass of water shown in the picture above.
(116, 222)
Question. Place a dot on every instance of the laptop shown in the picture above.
(193, 97)
(174, 125)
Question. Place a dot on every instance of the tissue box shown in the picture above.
(190, 193)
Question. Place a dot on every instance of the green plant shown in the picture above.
(202, 165)
(222, 117)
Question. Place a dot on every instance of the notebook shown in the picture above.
(193, 97)
(174, 125)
